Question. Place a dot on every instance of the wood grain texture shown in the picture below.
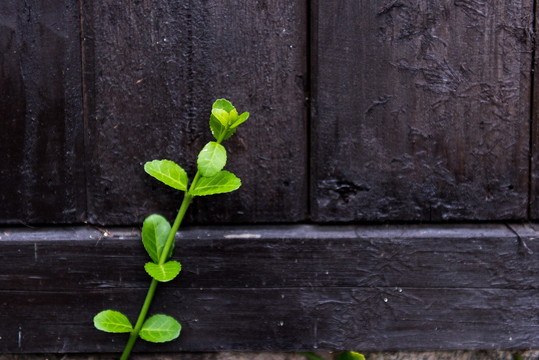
(421, 110)
(279, 288)
(153, 70)
(534, 143)
(41, 136)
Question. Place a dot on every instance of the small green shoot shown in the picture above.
(345, 355)
(350, 355)
(158, 235)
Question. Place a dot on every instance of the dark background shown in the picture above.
(369, 111)
(372, 122)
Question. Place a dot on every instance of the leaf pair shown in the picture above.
(174, 176)
(158, 328)
(224, 119)
(155, 231)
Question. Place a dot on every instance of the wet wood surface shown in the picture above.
(41, 131)
(278, 288)
(421, 110)
(152, 72)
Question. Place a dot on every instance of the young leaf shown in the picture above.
(221, 183)
(165, 272)
(217, 129)
(350, 355)
(160, 328)
(112, 321)
(211, 159)
(221, 115)
(168, 173)
(223, 104)
(311, 356)
(155, 230)
(241, 119)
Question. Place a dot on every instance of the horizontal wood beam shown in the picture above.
(398, 287)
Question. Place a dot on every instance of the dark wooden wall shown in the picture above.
(288, 288)
(42, 175)
(89, 94)
(421, 110)
(361, 110)
(155, 68)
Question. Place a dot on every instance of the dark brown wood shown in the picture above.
(534, 143)
(153, 72)
(420, 110)
(279, 288)
(41, 136)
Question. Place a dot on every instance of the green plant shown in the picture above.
(158, 235)
(345, 355)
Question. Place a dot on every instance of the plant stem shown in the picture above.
(162, 259)
(177, 222)
(140, 321)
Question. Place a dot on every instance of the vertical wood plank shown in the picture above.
(41, 142)
(534, 156)
(421, 110)
(152, 71)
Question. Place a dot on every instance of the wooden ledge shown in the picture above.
(278, 288)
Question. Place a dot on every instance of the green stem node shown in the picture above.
(153, 286)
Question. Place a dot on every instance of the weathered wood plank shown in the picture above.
(421, 110)
(153, 70)
(279, 288)
(280, 319)
(41, 136)
(534, 144)
(295, 256)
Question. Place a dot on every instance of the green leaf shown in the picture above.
(211, 159)
(165, 272)
(216, 127)
(223, 104)
(232, 117)
(160, 328)
(155, 230)
(221, 115)
(350, 355)
(112, 321)
(241, 119)
(167, 172)
(221, 183)
(311, 356)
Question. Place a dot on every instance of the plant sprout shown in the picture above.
(158, 235)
